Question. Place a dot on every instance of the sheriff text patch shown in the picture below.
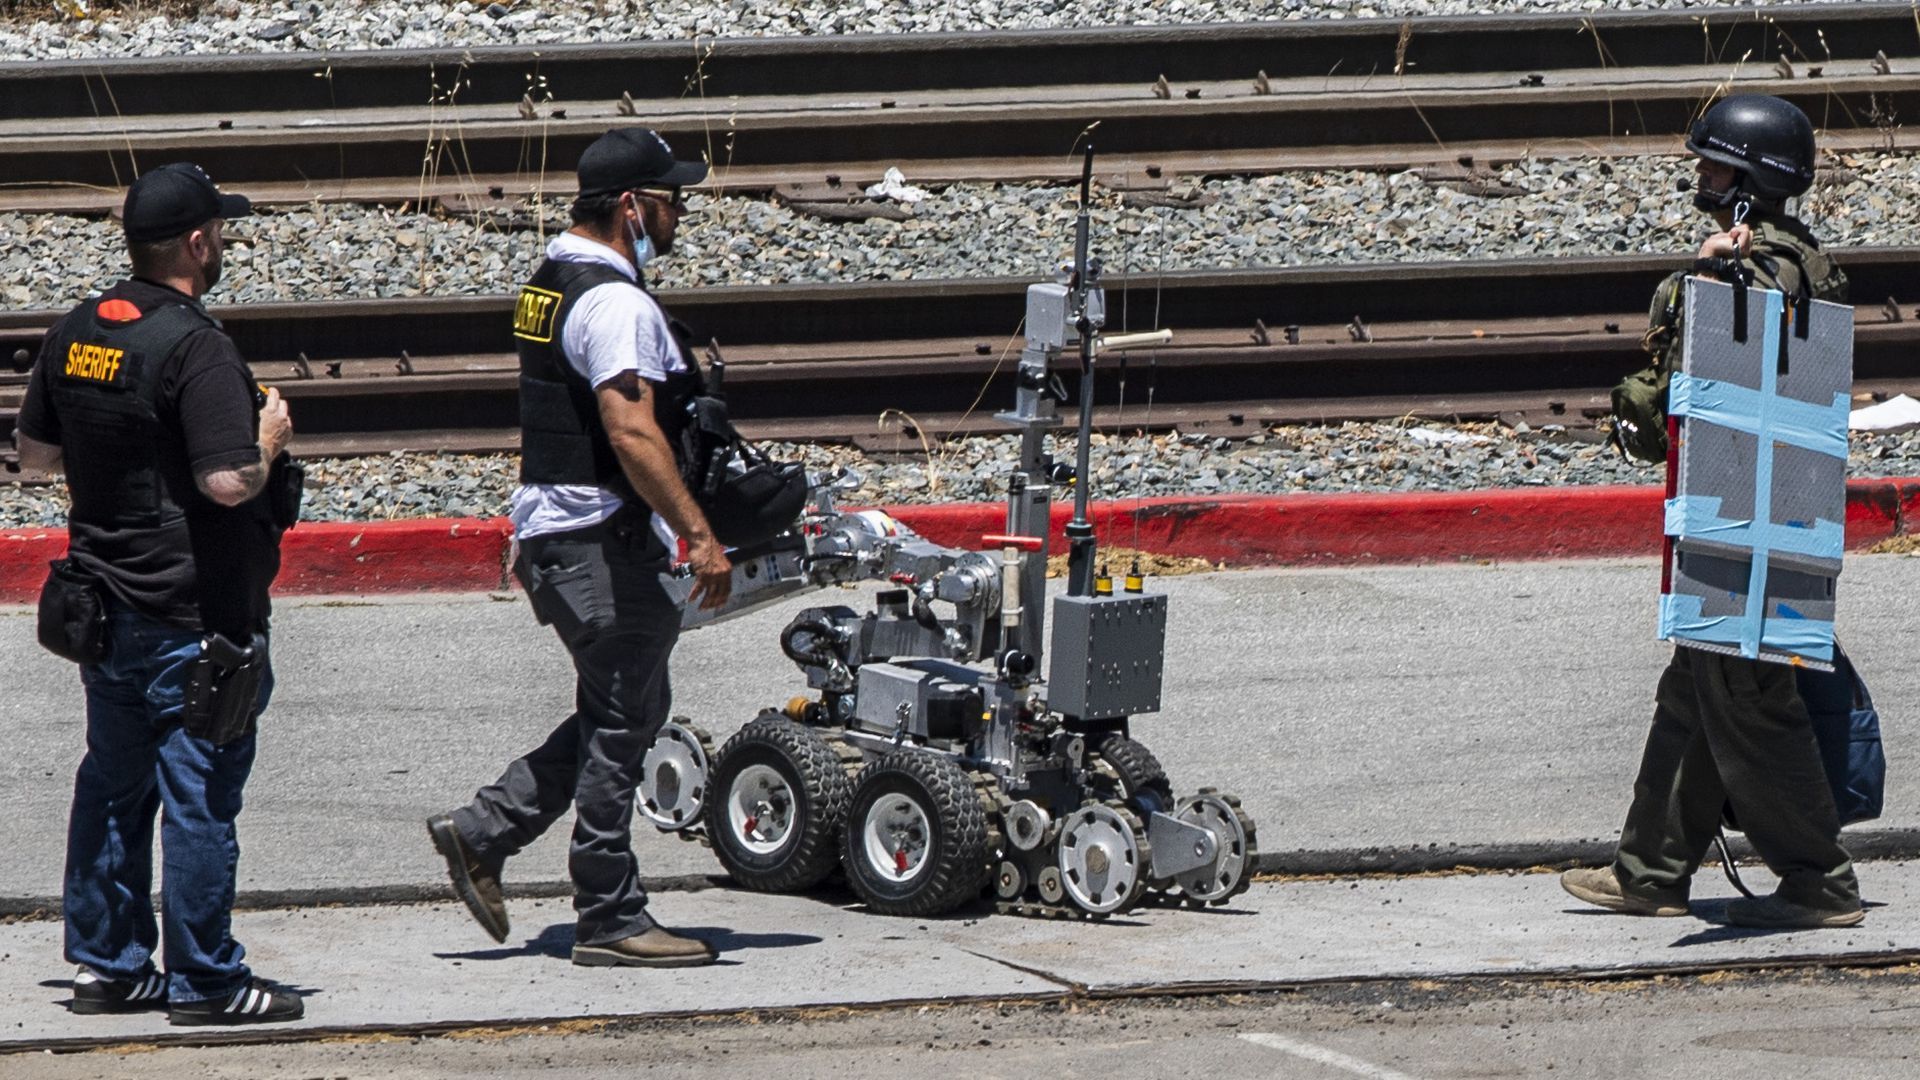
(95, 363)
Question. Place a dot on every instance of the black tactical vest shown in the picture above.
(104, 381)
(562, 440)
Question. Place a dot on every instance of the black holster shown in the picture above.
(73, 613)
(286, 484)
(223, 687)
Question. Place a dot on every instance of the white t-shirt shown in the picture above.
(611, 330)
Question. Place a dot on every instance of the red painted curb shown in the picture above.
(1348, 529)
(469, 554)
(1909, 505)
(1874, 511)
(24, 555)
(422, 555)
(1260, 530)
(429, 555)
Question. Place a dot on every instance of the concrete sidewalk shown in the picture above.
(417, 968)
(1445, 713)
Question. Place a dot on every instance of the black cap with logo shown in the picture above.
(628, 158)
(173, 199)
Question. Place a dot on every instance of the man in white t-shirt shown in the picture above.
(604, 381)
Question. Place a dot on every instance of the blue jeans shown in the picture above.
(139, 760)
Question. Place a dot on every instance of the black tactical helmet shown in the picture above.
(1768, 140)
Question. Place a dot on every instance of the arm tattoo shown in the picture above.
(230, 487)
(628, 385)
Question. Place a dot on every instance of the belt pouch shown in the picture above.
(223, 688)
(73, 614)
(286, 484)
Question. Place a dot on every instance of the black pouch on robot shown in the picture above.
(748, 498)
(223, 688)
(73, 614)
(286, 484)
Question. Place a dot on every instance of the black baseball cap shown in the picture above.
(174, 199)
(628, 158)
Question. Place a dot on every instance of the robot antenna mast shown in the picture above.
(1079, 531)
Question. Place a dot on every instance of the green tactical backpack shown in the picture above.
(1640, 400)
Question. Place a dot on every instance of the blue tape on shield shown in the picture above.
(1698, 517)
(1680, 617)
(1772, 419)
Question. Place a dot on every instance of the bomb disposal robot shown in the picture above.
(933, 760)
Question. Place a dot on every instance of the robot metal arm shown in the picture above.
(828, 547)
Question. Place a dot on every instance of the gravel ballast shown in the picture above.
(225, 26)
(1571, 207)
(1369, 457)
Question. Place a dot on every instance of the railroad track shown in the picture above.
(390, 125)
(1544, 338)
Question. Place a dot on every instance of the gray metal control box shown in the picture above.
(1050, 323)
(1107, 655)
(924, 698)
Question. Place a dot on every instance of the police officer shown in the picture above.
(1728, 730)
(604, 383)
(168, 448)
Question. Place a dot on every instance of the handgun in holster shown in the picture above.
(223, 688)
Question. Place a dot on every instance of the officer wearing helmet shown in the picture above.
(1754, 153)
(1727, 729)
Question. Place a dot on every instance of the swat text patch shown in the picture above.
(533, 316)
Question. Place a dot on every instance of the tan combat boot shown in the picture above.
(1600, 886)
(1776, 912)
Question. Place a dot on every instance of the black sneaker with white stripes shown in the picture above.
(255, 1003)
(94, 993)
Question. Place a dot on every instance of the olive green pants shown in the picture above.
(1730, 730)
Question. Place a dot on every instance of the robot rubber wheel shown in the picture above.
(916, 838)
(775, 801)
(674, 776)
(1136, 775)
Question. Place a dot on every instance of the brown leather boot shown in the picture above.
(655, 947)
(477, 884)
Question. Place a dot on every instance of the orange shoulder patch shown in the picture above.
(120, 311)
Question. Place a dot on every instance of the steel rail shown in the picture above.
(723, 68)
(1132, 124)
(987, 310)
(389, 125)
(499, 196)
(1539, 337)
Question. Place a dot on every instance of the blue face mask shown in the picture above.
(642, 246)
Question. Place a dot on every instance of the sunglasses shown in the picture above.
(673, 197)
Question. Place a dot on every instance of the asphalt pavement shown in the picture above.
(1445, 713)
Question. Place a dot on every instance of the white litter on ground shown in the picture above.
(1897, 413)
(894, 186)
(1435, 437)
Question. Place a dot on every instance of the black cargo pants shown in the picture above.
(599, 588)
(1728, 729)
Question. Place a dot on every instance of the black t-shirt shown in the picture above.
(211, 568)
